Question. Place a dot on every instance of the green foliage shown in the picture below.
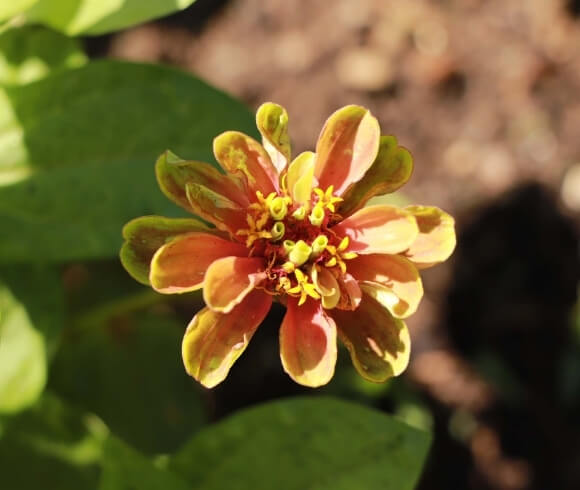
(30, 53)
(13, 7)
(315, 443)
(85, 137)
(31, 315)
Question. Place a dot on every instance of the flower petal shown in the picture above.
(215, 208)
(392, 280)
(272, 122)
(300, 177)
(179, 266)
(391, 169)
(379, 344)
(214, 341)
(350, 292)
(144, 236)
(346, 148)
(327, 286)
(239, 154)
(229, 280)
(436, 239)
(308, 343)
(173, 175)
(379, 229)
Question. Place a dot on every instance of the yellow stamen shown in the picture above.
(288, 267)
(278, 231)
(317, 215)
(288, 246)
(319, 245)
(278, 208)
(300, 253)
(300, 213)
(343, 244)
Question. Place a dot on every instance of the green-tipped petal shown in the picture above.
(300, 177)
(272, 122)
(241, 155)
(346, 148)
(144, 236)
(214, 341)
(175, 174)
(379, 344)
(436, 239)
(391, 169)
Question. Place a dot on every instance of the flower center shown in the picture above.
(304, 257)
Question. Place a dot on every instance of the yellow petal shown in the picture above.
(300, 177)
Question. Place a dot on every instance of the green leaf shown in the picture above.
(314, 443)
(126, 469)
(29, 53)
(9, 8)
(128, 370)
(52, 445)
(75, 17)
(78, 152)
(31, 315)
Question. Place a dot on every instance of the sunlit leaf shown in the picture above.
(319, 443)
(9, 8)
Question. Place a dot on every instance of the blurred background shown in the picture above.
(486, 96)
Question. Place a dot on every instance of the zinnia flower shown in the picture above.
(296, 232)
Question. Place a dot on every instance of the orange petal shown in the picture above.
(327, 286)
(214, 341)
(272, 122)
(391, 169)
(215, 208)
(436, 239)
(346, 148)
(229, 280)
(392, 280)
(379, 229)
(308, 343)
(144, 236)
(239, 154)
(350, 292)
(173, 175)
(379, 344)
(179, 266)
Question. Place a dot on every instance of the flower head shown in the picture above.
(293, 231)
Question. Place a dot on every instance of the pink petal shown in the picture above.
(229, 280)
(379, 229)
(308, 343)
(392, 280)
(214, 341)
(346, 148)
(179, 266)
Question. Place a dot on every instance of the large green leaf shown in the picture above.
(52, 446)
(29, 53)
(31, 315)
(128, 370)
(99, 16)
(9, 8)
(78, 151)
(126, 469)
(304, 443)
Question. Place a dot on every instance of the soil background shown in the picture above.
(486, 95)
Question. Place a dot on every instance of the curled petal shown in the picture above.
(436, 239)
(327, 286)
(308, 343)
(179, 266)
(224, 213)
(214, 341)
(237, 153)
(379, 344)
(379, 229)
(229, 280)
(392, 280)
(346, 148)
(272, 122)
(300, 177)
(174, 174)
(350, 292)
(144, 236)
(391, 169)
